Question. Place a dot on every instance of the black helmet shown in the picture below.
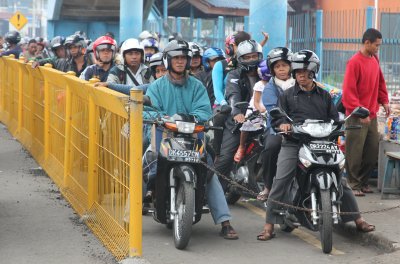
(155, 60)
(305, 59)
(277, 54)
(75, 40)
(196, 49)
(177, 48)
(247, 47)
(12, 37)
(57, 42)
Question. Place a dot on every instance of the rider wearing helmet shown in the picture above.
(12, 39)
(133, 70)
(57, 46)
(305, 100)
(219, 76)
(151, 47)
(256, 105)
(239, 88)
(197, 51)
(76, 59)
(156, 65)
(278, 61)
(58, 50)
(104, 49)
(210, 57)
(178, 92)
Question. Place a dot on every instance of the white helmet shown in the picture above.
(131, 44)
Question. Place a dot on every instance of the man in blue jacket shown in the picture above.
(177, 92)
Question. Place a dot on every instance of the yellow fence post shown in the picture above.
(67, 142)
(46, 117)
(92, 156)
(2, 85)
(135, 172)
(20, 96)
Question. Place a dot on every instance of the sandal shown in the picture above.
(358, 193)
(365, 227)
(263, 195)
(239, 154)
(265, 235)
(366, 189)
(227, 232)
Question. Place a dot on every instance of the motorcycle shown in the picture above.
(248, 172)
(179, 185)
(317, 186)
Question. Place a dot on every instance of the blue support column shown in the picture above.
(198, 33)
(96, 29)
(178, 25)
(130, 19)
(165, 19)
(269, 16)
(319, 43)
(246, 24)
(370, 23)
(50, 29)
(191, 22)
(221, 32)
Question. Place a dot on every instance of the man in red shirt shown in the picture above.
(364, 85)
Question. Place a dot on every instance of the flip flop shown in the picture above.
(365, 227)
(366, 189)
(227, 232)
(265, 235)
(263, 195)
(358, 193)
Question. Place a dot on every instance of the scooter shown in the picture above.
(317, 186)
(179, 185)
(248, 172)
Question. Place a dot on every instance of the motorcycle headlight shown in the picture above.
(185, 127)
(305, 162)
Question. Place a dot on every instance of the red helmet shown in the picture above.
(104, 42)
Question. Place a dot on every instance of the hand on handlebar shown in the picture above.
(239, 118)
(285, 128)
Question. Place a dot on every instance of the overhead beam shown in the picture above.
(54, 9)
(207, 9)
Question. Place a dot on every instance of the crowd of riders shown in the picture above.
(187, 77)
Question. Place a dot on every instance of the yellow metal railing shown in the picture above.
(87, 139)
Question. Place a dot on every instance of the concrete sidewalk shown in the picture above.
(36, 224)
(387, 233)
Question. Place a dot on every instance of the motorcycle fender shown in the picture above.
(185, 173)
(324, 180)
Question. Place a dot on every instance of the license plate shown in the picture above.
(183, 155)
(324, 147)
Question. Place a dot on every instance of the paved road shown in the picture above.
(206, 246)
(38, 226)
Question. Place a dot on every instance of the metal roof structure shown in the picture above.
(108, 10)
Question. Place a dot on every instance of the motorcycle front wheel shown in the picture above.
(326, 221)
(183, 220)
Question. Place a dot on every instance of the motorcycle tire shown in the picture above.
(183, 220)
(326, 221)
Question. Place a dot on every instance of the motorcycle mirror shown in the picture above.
(360, 112)
(225, 109)
(279, 113)
(242, 105)
(276, 113)
(146, 100)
